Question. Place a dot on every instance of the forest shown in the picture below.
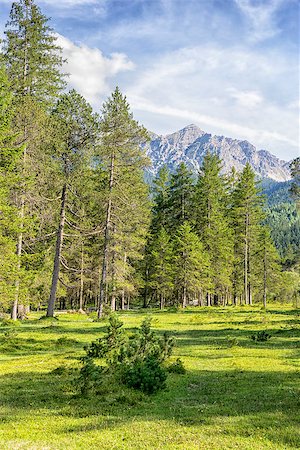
(80, 227)
(135, 313)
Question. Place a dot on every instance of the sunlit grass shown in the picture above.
(236, 394)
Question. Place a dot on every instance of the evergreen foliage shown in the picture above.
(78, 217)
(135, 360)
(210, 208)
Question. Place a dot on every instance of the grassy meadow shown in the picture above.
(236, 394)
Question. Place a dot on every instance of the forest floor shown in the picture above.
(236, 394)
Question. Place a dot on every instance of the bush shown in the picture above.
(261, 336)
(177, 367)
(146, 375)
(134, 360)
(90, 377)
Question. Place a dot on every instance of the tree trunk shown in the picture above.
(246, 262)
(103, 283)
(81, 282)
(208, 299)
(113, 277)
(145, 305)
(14, 312)
(200, 301)
(123, 300)
(162, 301)
(184, 296)
(59, 241)
(265, 277)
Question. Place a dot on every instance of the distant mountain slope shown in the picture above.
(190, 144)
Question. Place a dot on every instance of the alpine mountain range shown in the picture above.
(190, 144)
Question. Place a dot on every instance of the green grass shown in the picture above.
(236, 394)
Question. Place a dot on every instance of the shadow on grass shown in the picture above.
(256, 400)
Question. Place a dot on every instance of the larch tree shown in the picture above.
(120, 151)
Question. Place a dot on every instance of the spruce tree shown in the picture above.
(267, 268)
(212, 224)
(179, 208)
(122, 156)
(247, 214)
(295, 187)
(162, 273)
(33, 58)
(161, 198)
(191, 264)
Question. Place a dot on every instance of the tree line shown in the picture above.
(79, 226)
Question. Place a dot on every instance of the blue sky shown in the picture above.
(229, 66)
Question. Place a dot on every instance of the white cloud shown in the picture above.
(89, 70)
(233, 129)
(230, 91)
(247, 99)
(261, 17)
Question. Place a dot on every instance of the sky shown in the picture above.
(230, 67)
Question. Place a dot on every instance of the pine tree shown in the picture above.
(267, 268)
(295, 187)
(162, 273)
(179, 208)
(33, 61)
(76, 130)
(9, 154)
(120, 152)
(212, 224)
(32, 56)
(247, 215)
(192, 264)
(161, 194)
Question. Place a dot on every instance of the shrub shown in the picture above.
(177, 367)
(260, 336)
(145, 374)
(135, 360)
(90, 377)
(110, 347)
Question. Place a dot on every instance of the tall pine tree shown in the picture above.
(122, 156)
(247, 215)
(212, 224)
(33, 62)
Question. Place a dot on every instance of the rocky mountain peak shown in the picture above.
(190, 144)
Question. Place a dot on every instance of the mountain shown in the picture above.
(190, 144)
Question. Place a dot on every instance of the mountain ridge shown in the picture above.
(190, 144)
